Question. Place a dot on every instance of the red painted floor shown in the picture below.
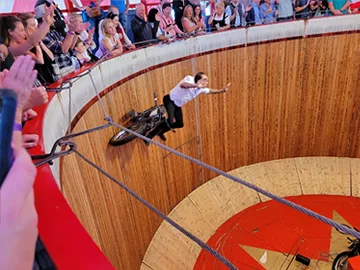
(273, 227)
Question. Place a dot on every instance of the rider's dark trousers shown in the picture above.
(174, 113)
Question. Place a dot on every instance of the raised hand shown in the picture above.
(49, 14)
(82, 26)
(202, 83)
(91, 34)
(18, 226)
(38, 96)
(20, 79)
(227, 87)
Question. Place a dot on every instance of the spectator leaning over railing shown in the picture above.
(339, 7)
(268, 12)
(120, 30)
(253, 16)
(42, 56)
(319, 8)
(61, 47)
(285, 8)
(110, 40)
(302, 9)
(236, 11)
(59, 19)
(190, 25)
(199, 18)
(167, 22)
(219, 20)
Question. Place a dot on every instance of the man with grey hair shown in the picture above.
(140, 26)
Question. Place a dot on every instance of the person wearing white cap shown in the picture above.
(59, 19)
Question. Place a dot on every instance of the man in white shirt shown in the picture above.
(187, 89)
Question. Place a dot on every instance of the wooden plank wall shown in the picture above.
(289, 98)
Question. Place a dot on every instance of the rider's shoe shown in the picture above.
(162, 136)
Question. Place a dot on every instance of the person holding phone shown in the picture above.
(167, 22)
(18, 226)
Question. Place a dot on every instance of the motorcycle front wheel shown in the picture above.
(341, 261)
(124, 137)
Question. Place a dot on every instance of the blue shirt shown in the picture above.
(256, 13)
(120, 4)
(270, 17)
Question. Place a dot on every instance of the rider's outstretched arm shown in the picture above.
(186, 85)
(216, 91)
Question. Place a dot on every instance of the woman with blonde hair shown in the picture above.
(109, 40)
(188, 20)
(219, 19)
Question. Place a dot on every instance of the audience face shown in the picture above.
(80, 48)
(235, 2)
(188, 12)
(197, 11)
(219, 9)
(31, 26)
(110, 28)
(167, 11)
(256, 2)
(268, 2)
(116, 21)
(140, 10)
(18, 35)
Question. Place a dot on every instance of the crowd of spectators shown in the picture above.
(60, 45)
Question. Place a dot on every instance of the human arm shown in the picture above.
(75, 4)
(19, 78)
(332, 8)
(37, 36)
(127, 6)
(227, 26)
(47, 51)
(187, 27)
(114, 52)
(37, 56)
(18, 226)
(211, 19)
(345, 6)
(299, 8)
(137, 26)
(216, 91)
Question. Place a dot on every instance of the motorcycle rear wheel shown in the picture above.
(123, 137)
(341, 261)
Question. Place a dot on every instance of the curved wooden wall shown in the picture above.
(204, 210)
(289, 98)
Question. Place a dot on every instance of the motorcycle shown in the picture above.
(341, 260)
(141, 122)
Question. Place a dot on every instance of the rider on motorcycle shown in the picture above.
(187, 89)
